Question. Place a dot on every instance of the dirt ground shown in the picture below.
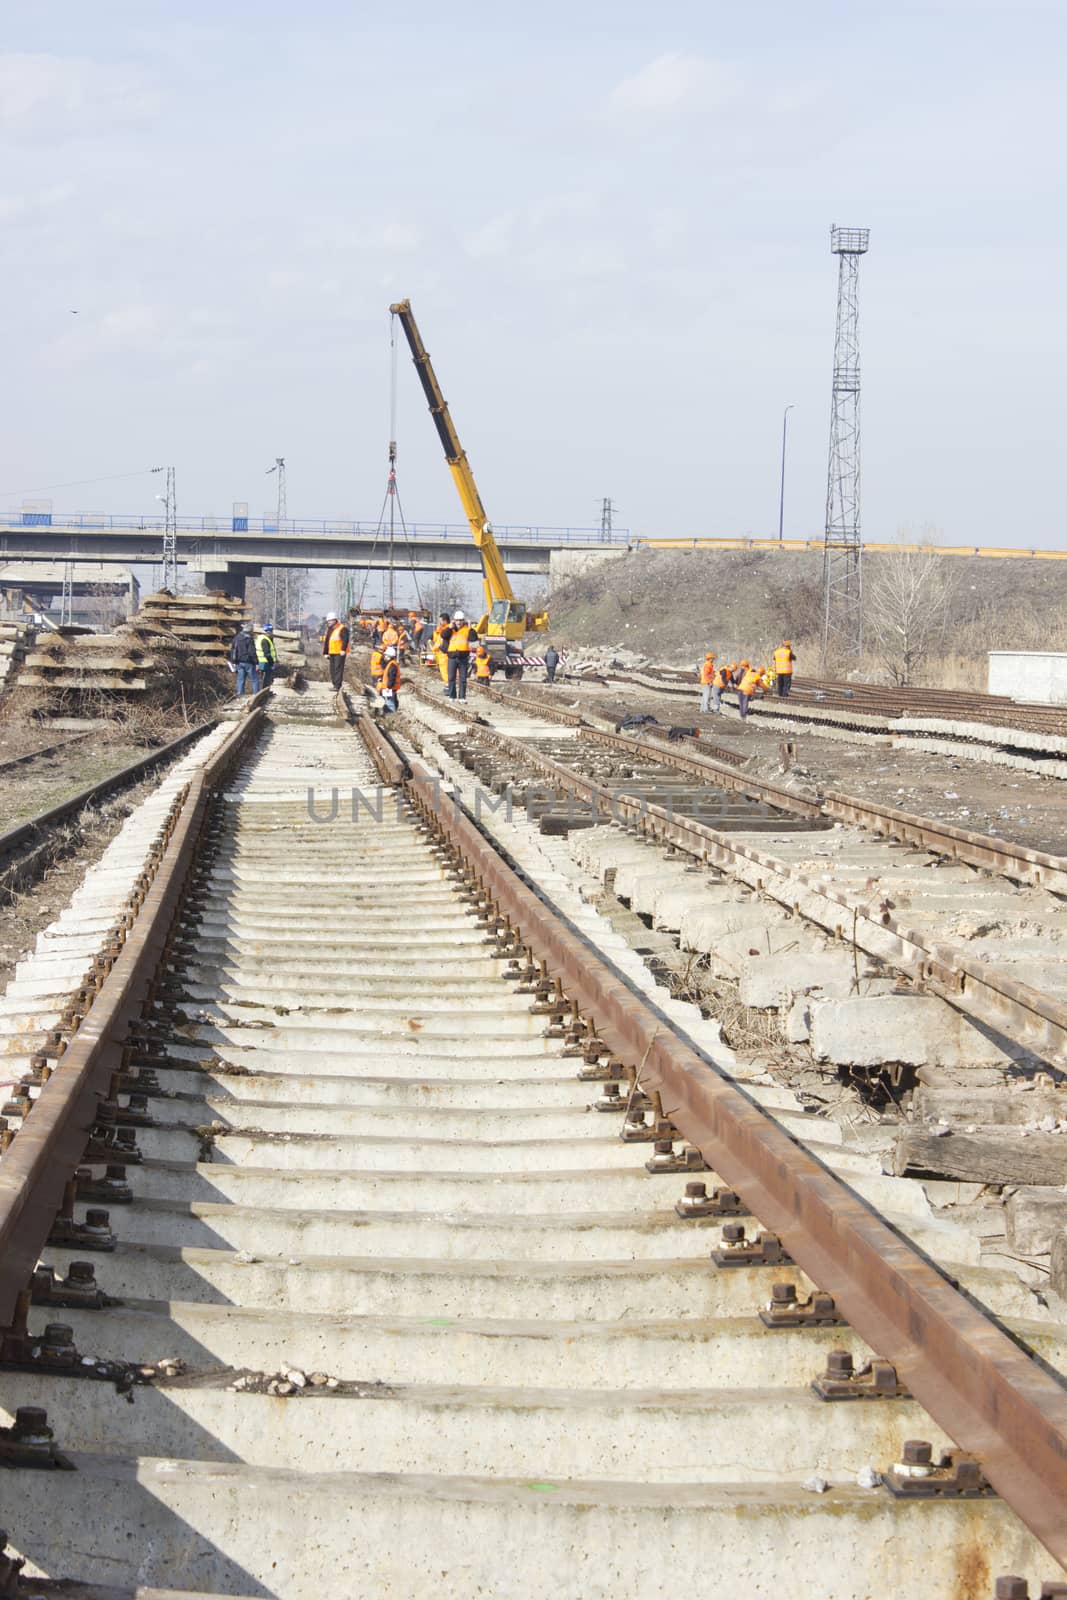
(37, 785)
(673, 605)
(24, 917)
(976, 795)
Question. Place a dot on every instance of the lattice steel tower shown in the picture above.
(170, 530)
(842, 548)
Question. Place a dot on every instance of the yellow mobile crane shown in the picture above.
(506, 619)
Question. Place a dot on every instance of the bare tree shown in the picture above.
(907, 608)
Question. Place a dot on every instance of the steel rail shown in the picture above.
(45, 750)
(48, 1147)
(25, 832)
(986, 1392)
(971, 986)
(1015, 861)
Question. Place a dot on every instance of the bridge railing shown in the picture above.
(293, 527)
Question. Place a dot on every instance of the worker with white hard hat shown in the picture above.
(391, 680)
(335, 647)
(463, 640)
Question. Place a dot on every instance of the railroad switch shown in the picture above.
(766, 1250)
(78, 1290)
(952, 1477)
(30, 1442)
(696, 1202)
(10, 1567)
(819, 1310)
(112, 1187)
(663, 1158)
(637, 1130)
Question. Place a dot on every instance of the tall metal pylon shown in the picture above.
(607, 514)
(842, 570)
(281, 579)
(170, 531)
(66, 603)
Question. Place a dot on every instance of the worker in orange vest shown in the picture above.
(462, 640)
(483, 670)
(335, 647)
(390, 635)
(751, 683)
(784, 661)
(377, 666)
(390, 689)
(707, 677)
(722, 679)
(439, 644)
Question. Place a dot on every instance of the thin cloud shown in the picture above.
(673, 82)
(45, 98)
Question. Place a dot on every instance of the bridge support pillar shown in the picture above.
(230, 579)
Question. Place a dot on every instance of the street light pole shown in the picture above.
(781, 494)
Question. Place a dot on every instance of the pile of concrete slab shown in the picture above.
(72, 658)
(14, 639)
(204, 623)
(290, 646)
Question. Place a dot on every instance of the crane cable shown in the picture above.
(391, 502)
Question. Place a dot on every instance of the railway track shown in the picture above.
(28, 847)
(397, 1302)
(979, 727)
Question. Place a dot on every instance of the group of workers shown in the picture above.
(746, 678)
(453, 646)
(253, 657)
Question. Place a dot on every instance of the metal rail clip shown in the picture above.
(952, 1477)
(784, 1310)
(766, 1250)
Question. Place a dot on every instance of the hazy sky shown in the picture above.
(612, 221)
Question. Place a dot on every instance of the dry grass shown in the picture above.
(747, 1031)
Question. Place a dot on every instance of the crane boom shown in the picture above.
(506, 616)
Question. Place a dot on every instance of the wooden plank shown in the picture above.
(992, 1156)
(1005, 1105)
(34, 680)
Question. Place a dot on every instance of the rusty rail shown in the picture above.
(971, 986)
(989, 1395)
(981, 850)
(42, 1157)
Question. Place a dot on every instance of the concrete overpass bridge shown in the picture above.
(227, 550)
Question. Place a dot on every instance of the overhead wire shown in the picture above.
(78, 483)
(391, 502)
